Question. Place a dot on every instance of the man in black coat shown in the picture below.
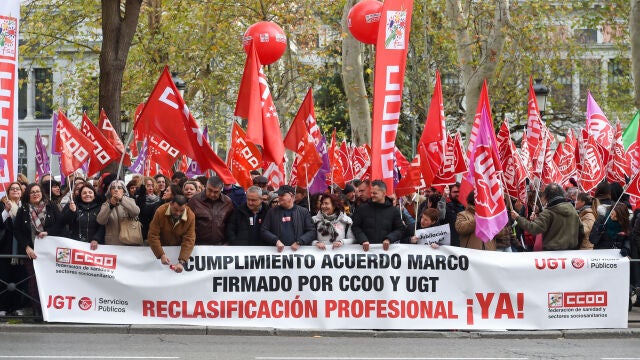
(288, 224)
(454, 206)
(244, 224)
(377, 221)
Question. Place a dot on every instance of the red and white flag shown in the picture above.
(243, 156)
(166, 117)
(274, 173)
(434, 136)
(345, 153)
(105, 127)
(74, 148)
(535, 135)
(256, 105)
(455, 162)
(337, 168)
(619, 165)
(104, 151)
(593, 170)
(484, 165)
(564, 157)
(514, 173)
(391, 57)
(361, 162)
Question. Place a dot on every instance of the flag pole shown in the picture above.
(415, 224)
(624, 191)
(306, 177)
(126, 145)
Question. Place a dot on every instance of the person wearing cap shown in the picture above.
(288, 224)
(261, 182)
(377, 221)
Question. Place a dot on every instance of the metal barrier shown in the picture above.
(14, 286)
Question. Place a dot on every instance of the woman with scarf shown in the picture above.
(36, 218)
(11, 269)
(81, 215)
(333, 226)
(148, 200)
(117, 208)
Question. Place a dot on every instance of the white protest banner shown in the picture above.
(440, 235)
(9, 36)
(407, 287)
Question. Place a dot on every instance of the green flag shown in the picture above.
(630, 134)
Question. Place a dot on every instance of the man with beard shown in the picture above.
(377, 221)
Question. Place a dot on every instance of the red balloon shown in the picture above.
(364, 18)
(270, 41)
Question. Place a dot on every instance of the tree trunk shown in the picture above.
(354, 87)
(634, 34)
(117, 33)
(476, 70)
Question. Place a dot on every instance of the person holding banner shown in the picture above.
(333, 226)
(36, 218)
(430, 218)
(558, 223)
(288, 224)
(377, 221)
(173, 224)
(243, 227)
(466, 227)
(81, 215)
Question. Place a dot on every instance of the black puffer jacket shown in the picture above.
(240, 230)
(53, 225)
(374, 222)
(83, 223)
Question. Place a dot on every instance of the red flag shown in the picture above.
(550, 172)
(243, 156)
(619, 165)
(425, 166)
(514, 173)
(455, 162)
(593, 170)
(299, 128)
(274, 173)
(161, 154)
(104, 151)
(361, 161)
(337, 168)
(411, 181)
(256, 105)
(307, 163)
(534, 134)
(74, 148)
(434, 134)
(391, 57)
(565, 157)
(166, 117)
(105, 127)
(634, 187)
(402, 163)
(346, 160)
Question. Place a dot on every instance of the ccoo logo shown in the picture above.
(85, 303)
(577, 263)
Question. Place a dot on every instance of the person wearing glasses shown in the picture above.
(11, 269)
(117, 208)
(212, 209)
(36, 218)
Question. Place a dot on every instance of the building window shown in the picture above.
(42, 87)
(586, 36)
(22, 158)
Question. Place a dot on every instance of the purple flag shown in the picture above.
(138, 166)
(194, 168)
(42, 158)
(484, 168)
(319, 184)
(53, 138)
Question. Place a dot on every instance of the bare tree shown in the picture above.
(119, 22)
(479, 45)
(353, 80)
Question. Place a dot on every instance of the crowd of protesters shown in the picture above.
(184, 212)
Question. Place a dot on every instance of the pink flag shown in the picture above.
(599, 127)
(42, 159)
(491, 212)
